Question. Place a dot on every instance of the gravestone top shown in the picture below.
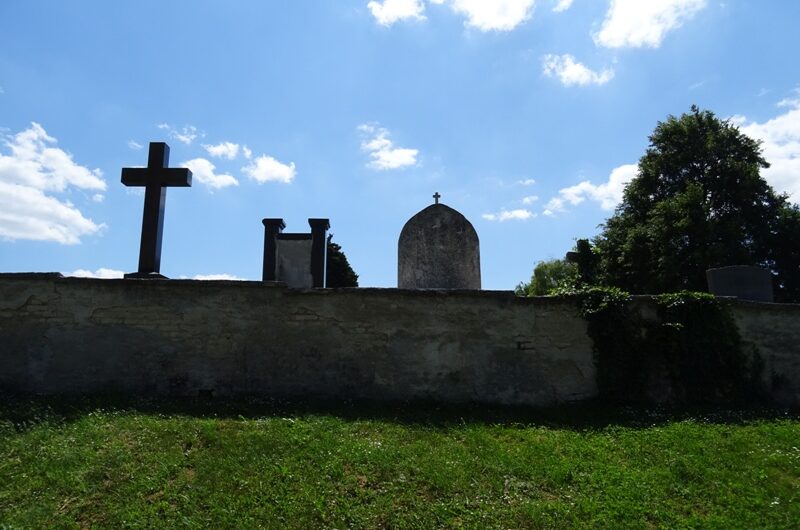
(438, 248)
(742, 281)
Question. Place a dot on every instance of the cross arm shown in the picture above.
(170, 177)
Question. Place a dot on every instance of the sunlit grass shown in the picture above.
(382, 465)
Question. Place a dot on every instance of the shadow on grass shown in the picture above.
(26, 412)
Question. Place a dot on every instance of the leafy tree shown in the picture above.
(339, 272)
(548, 276)
(699, 202)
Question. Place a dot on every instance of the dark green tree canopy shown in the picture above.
(339, 272)
(698, 202)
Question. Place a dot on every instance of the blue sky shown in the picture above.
(526, 115)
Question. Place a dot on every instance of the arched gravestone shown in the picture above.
(438, 249)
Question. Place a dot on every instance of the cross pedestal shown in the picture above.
(155, 178)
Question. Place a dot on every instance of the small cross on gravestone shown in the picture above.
(156, 177)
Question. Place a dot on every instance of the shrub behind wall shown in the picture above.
(688, 351)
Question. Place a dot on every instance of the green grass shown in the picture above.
(272, 465)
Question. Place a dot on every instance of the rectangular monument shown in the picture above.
(293, 260)
(298, 259)
(742, 281)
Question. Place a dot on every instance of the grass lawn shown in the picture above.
(274, 465)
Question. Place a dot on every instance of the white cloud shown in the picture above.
(246, 152)
(530, 199)
(780, 139)
(608, 194)
(227, 150)
(27, 213)
(562, 5)
(223, 276)
(638, 23)
(103, 273)
(695, 86)
(571, 72)
(505, 215)
(34, 171)
(382, 150)
(526, 182)
(494, 15)
(98, 197)
(108, 274)
(553, 206)
(203, 171)
(186, 134)
(33, 162)
(266, 169)
(791, 102)
(780, 142)
(133, 144)
(485, 15)
(388, 12)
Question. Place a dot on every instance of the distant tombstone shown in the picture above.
(298, 260)
(155, 178)
(742, 281)
(438, 249)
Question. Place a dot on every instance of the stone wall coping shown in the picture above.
(6, 277)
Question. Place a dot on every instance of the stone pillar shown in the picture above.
(319, 248)
(272, 227)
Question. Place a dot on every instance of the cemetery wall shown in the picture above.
(185, 338)
(773, 332)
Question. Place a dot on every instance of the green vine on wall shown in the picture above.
(688, 352)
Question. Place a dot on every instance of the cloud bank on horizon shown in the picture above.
(114, 274)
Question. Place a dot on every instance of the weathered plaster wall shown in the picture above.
(771, 337)
(774, 331)
(181, 337)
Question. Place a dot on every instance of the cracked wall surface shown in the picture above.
(184, 338)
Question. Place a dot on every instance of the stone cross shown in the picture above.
(155, 178)
(436, 197)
